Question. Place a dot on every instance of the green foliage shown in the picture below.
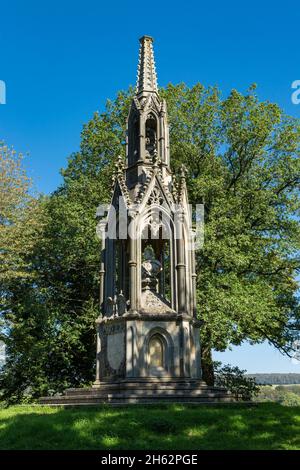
(291, 399)
(242, 157)
(20, 218)
(242, 387)
(267, 393)
(285, 395)
(243, 162)
(263, 426)
(289, 388)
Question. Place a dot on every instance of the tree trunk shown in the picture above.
(207, 365)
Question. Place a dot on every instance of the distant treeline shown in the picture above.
(276, 379)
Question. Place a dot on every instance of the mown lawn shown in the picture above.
(168, 427)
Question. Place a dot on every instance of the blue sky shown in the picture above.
(62, 60)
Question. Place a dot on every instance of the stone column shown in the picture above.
(186, 349)
(161, 139)
(98, 352)
(180, 267)
(197, 326)
(194, 277)
(102, 266)
(142, 137)
(132, 263)
(130, 348)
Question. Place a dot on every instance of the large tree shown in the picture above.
(242, 157)
(243, 160)
(21, 225)
(18, 215)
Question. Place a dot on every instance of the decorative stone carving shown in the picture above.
(153, 304)
(110, 306)
(121, 304)
(156, 197)
(150, 270)
(146, 79)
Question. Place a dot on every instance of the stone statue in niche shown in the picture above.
(151, 268)
(151, 300)
(151, 139)
(110, 306)
(121, 304)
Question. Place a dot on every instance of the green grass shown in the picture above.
(169, 427)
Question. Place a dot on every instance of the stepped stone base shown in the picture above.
(147, 390)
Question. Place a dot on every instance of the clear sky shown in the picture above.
(61, 60)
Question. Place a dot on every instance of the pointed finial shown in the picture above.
(183, 172)
(120, 165)
(146, 79)
(155, 159)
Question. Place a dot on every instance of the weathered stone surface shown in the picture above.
(115, 350)
(153, 303)
(111, 354)
(149, 295)
(150, 390)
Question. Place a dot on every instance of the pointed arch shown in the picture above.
(159, 360)
(151, 134)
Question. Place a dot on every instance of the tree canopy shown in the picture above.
(242, 157)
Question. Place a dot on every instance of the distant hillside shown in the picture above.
(276, 379)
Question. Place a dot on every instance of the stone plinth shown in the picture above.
(127, 344)
(147, 390)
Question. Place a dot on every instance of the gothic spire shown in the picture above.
(146, 79)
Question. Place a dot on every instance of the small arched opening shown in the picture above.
(157, 244)
(160, 361)
(151, 135)
(133, 138)
(156, 353)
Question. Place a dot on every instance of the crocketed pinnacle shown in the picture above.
(146, 78)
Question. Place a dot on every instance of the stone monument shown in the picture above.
(148, 332)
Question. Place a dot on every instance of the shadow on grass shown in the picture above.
(173, 427)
